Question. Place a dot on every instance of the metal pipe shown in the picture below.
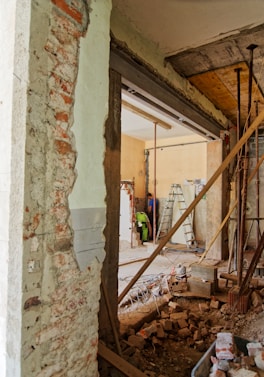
(238, 181)
(176, 145)
(146, 177)
(132, 212)
(257, 179)
(245, 173)
(155, 183)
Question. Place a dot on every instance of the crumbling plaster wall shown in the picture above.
(60, 301)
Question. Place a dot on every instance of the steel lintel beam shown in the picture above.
(138, 75)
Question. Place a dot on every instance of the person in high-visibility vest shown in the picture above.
(143, 226)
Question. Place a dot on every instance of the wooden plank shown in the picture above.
(252, 266)
(257, 283)
(220, 86)
(111, 317)
(146, 115)
(118, 362)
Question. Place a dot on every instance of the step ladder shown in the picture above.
(166, 218)
(176, 194)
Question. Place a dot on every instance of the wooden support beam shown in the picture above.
(118, 362)
(254, 281)
(144, 114)
(176, 226)
(252, 266)
(111, 317)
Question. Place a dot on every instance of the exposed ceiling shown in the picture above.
(138, 120)
(205, 41)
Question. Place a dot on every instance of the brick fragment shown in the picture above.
(177, 316)
(167, 324)
(160, 331)
(184, 333)
(136, 341)
(32, 301)
(182, 323)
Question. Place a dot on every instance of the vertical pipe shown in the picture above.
(245, 172)
(238, 182)
(257, 180)
(146, 177)
(132, 211)
(155, 173)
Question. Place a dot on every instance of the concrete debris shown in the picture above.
(259, 359)
(225, 346)
(198, 327)
(256, 299)
(242, 373)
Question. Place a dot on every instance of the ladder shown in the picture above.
(176, 193)
(166, 218)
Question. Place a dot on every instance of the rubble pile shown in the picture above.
(185, 329)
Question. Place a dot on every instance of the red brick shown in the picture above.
(63, 147)
(73, 13)
(62, 116)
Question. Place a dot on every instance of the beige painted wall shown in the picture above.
(133, 164)
(177, 160)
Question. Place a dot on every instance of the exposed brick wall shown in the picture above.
(60, 303)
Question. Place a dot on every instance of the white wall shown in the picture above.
(87, 200)
(14, 38)
(91, 109)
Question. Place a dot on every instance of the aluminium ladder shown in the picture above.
(176, 194)
(166, 218)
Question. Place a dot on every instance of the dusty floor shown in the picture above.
(172, 356)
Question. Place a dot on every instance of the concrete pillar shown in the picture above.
(217, 198)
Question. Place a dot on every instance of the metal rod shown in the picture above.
(177, 145)
(238, 188)
(176, 226)
(257, 178)
(132, 212)
(245, 174)
(146, 177)
(155, 183)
